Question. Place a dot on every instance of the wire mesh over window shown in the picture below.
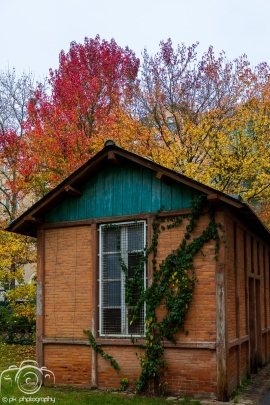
(121, 246)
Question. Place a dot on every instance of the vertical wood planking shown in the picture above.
(186, 196)
(136, 189)
(107, 193)
(89, 199)
(177, 199)
(166, 196)
(99, 212)
(116, 191)
(156, 193)
(127, 189)
(117, 202)
(146, 191)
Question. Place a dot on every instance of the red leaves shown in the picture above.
(92, 82)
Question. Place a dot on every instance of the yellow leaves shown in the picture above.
(23, 300)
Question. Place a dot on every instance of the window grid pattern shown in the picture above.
(123, 240)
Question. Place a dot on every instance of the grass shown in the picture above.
(10, 393)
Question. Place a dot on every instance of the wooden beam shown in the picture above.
(95, 306)
(33, 220)
(127, 342)
(236, 236)
(40, 297)
(166, 344)
(165, 179)
(73, 191)
(221, 319)
(265, 304)
(217, 198)
(238, 341)
(112, 157)
(247, 303)
(130, 217)
(66, 341)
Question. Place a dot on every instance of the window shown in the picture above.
(123, 241)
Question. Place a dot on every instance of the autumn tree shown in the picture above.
(87, 96)
(207, 118)
(15, 250)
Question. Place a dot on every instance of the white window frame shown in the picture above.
(124, 308)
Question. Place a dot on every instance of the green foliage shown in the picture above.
(5, 315)
(172, 287)
(244, 383)
(22, 300)
(98, 349)
(16, 330)
(123, 384)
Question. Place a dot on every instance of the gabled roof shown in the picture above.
(28, 222)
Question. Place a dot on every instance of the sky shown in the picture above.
(33, 32)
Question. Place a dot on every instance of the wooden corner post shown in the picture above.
(95, 277)
(40, 297)
(221, 317)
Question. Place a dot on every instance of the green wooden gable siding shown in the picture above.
(116, 191)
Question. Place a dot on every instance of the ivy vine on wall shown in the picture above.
(172, 287)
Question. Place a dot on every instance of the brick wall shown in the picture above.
(68, 310)
(68, 302)
(200, 320)
(191, 372)
(68, 282)
(70, 364)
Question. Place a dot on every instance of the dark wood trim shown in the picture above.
(95, 307)
(127, 342)
(112, 157)
(192, 345)
(151, 254)
(65, 341)
(247, 302)
(33, 220)
(40, 297)
(238, 341)
(221, 317)
(237, 300)
(265, 303)
(67, 224)
(165, 179)
(258, 290)
(255, 276)
(252, 253)
(73, 191)
(258, 258)
(130, 217)
(217, 198)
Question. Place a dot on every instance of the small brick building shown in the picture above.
(80, 286)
